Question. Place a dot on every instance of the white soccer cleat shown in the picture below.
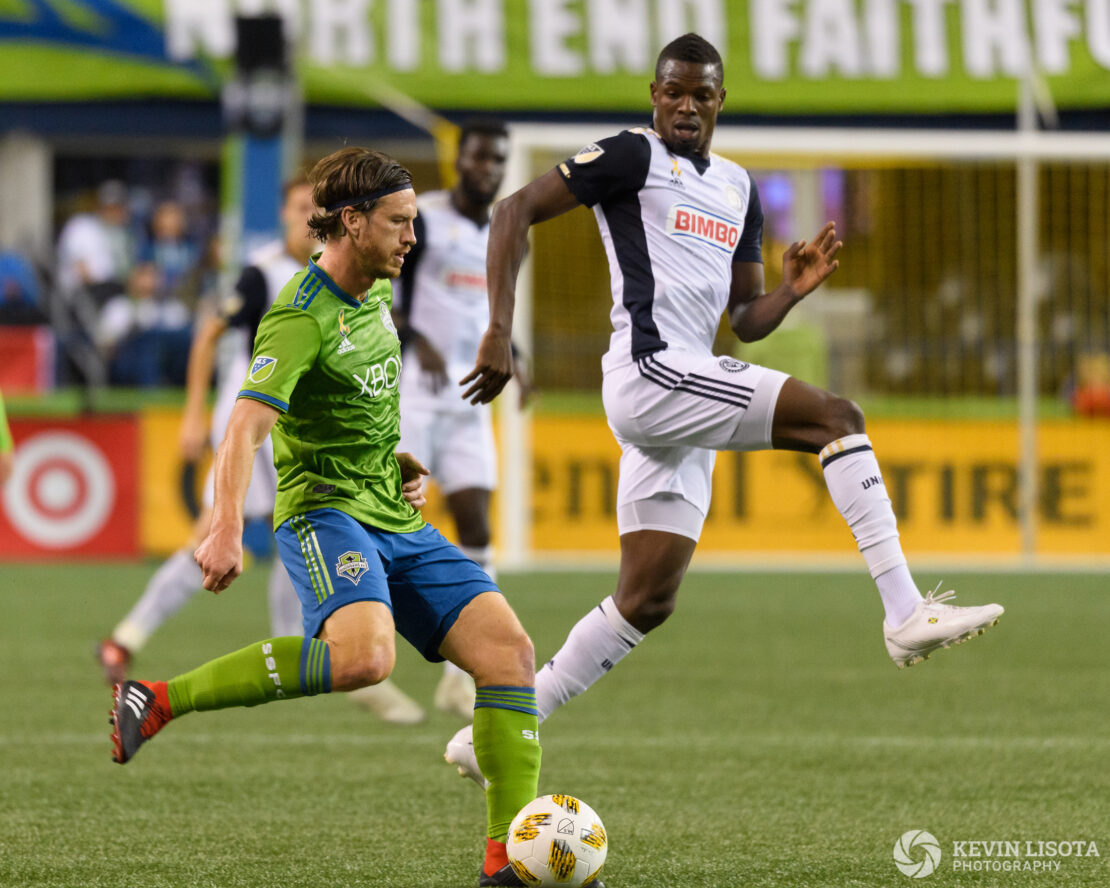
(389, 703)
(460, 752)
(934, 625)
(455, 693)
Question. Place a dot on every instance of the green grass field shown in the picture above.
(759, 738)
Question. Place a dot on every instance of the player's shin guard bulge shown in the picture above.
(507, 746)
(276, 669)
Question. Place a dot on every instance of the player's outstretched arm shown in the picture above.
(753, 314)
(220, 554)
(541, 199)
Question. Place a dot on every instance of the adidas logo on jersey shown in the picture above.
(685, 221)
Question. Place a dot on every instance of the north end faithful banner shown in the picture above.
(780, 56)
(72, 492)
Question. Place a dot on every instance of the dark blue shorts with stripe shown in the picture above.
(334, 560)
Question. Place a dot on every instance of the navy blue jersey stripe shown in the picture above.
(708, 382)
(722, 385)
(662, 369)
(624, 218)
(735, 400)
(662, 383)
(266, 399)
(649, 372)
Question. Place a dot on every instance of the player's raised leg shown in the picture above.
(489, 643)
(355, 649)
(811, 420)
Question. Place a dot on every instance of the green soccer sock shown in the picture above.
(276, 669)
(507, 746)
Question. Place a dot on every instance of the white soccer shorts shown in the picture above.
(456, 445)
(670, 412)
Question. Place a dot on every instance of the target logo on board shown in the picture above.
(71, 489)
(61, 490)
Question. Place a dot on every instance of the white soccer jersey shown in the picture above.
(442, 295)
(672, 227)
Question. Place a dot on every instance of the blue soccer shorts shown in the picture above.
(334, 560)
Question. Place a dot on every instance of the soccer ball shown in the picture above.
(556, 841)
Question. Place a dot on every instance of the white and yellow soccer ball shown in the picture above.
(557, 841)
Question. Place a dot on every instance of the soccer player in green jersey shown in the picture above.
(323, 383)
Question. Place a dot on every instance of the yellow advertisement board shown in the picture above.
(954, 486)
(165, 524)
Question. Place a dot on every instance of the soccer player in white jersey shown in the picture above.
(441, 308)
(682, 230)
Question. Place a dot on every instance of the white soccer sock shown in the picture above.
(285, 606)
(483, 557)
(595, 645)
(174, 583)
(857, 489)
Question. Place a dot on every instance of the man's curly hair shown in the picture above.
(347, 173)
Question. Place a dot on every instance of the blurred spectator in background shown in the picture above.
(171, 250)
(94, 249)
(20, 293)
(1092, 385)
(144, 333)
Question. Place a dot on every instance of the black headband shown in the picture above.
(373, 195)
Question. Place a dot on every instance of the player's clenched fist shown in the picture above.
(220, 557)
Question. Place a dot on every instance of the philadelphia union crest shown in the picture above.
(731, 365)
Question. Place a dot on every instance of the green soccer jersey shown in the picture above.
(331, 365)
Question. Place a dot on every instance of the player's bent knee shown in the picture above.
(648, 606)
(349, 674)
(843, 418)
(511, 663)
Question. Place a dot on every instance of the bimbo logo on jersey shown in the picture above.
(685, 220)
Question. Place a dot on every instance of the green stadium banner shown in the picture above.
(781, 56)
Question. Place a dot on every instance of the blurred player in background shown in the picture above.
(441, 308)
(324, 380)
(682, 229)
